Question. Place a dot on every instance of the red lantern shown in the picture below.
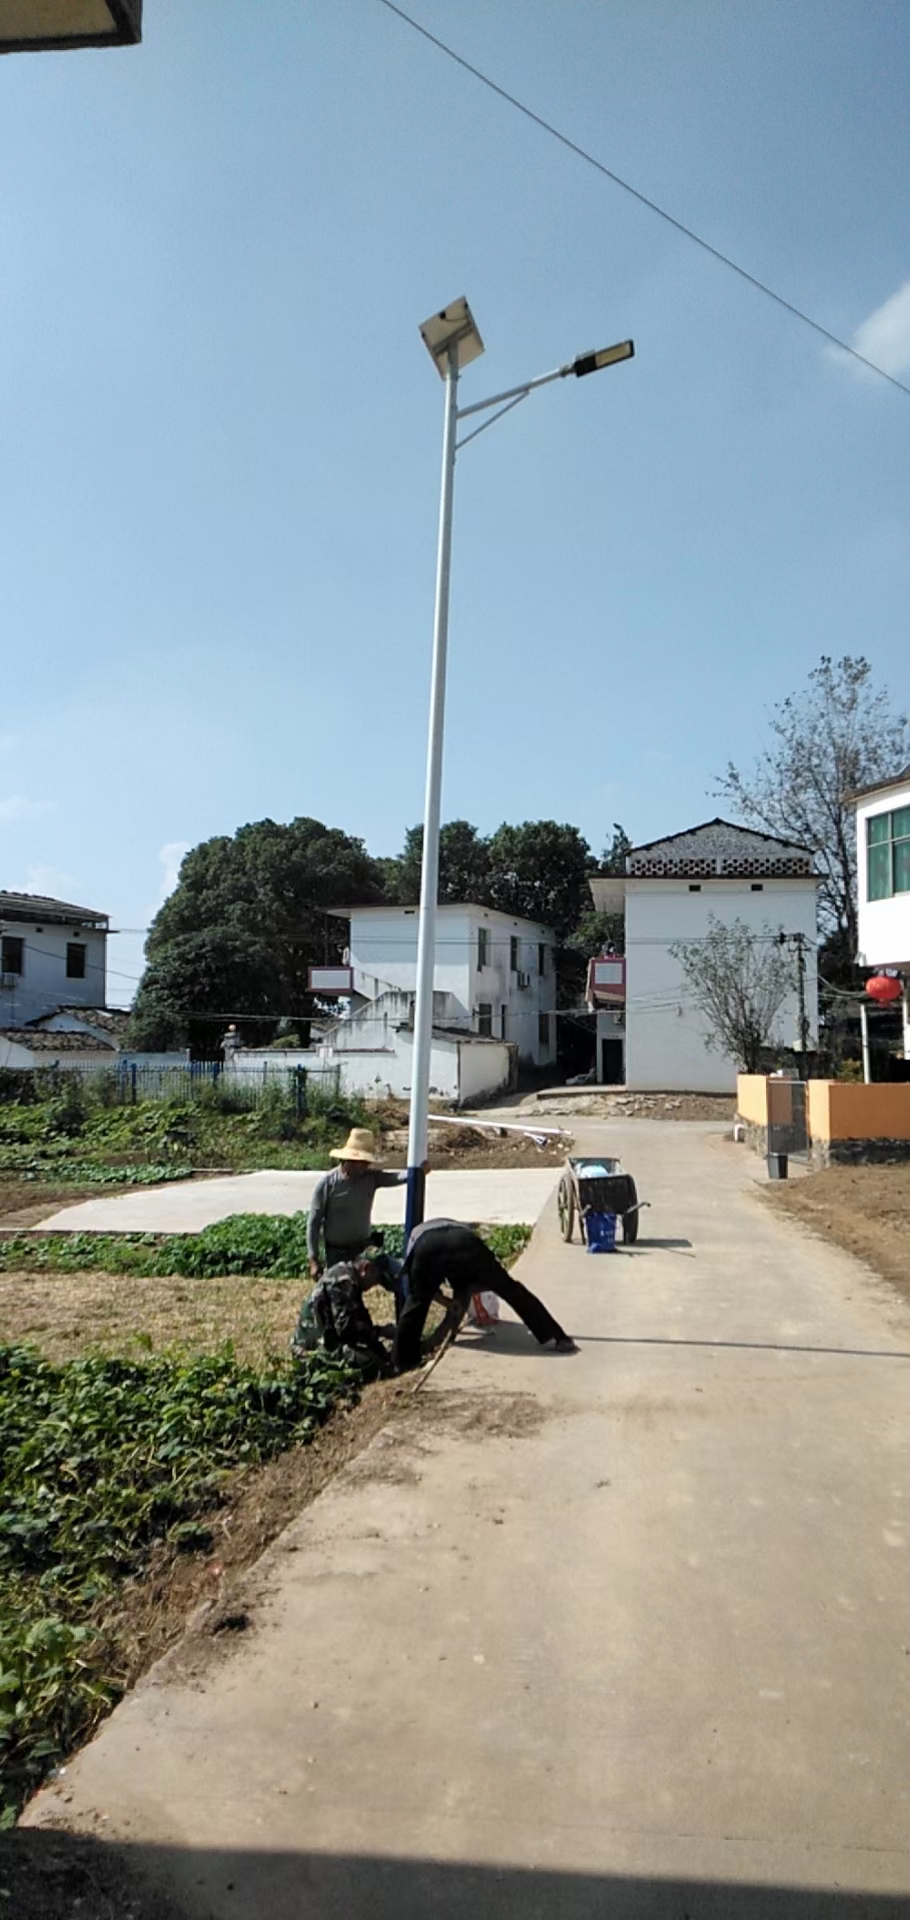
(884, 988)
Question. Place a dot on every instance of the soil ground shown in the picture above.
(567, 1103)
(66, 1314)
(865, 1210)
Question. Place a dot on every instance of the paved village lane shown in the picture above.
(619, 1634)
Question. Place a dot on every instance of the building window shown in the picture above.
(543, 1030)
(757, 886)
(503, 1022)
(75, 960)
(888, 848)
(541, 959)
(12, 954)
(695, 887)
(485, 1020)
(483, 947)
(513, 953)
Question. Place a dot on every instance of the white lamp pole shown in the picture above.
(429, 869)
(452, 339)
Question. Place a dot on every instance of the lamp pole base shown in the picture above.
(417, 1184)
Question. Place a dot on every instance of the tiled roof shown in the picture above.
(39, 906)
(66, 1042)
(719, 849)
(112, 1020)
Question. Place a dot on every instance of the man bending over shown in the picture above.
(440, 1250)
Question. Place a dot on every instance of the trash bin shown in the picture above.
(778, 1166)
(600, 1232)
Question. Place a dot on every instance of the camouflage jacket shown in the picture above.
(334, 1317)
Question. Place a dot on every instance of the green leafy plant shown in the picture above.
(102, 1459)
(271, 1245)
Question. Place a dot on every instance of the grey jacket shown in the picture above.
(341, 1209)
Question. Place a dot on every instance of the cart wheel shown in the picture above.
(565, 1202)
(630, 1228)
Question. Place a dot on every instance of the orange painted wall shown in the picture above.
(752, 1098)
(838, 1110)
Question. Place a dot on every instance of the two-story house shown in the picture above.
(883, 881)
(52, 955)
(494, 974)
(672, 891)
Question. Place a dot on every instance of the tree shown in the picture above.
(463, 866)
(539, 871)
(613, 858)
(243, 926)
(739, 980)
(837, 735)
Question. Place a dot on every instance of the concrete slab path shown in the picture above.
(624, 1634)
(494, 1196)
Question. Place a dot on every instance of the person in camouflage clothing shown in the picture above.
(335, 1318)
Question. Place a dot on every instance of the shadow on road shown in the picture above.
(52, 1875)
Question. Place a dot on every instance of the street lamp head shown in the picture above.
(28, 26)
(607, 357)
(453, 327)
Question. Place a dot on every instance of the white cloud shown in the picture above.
(884, 336)
(16, 807)
(170, 856)
(50, 881)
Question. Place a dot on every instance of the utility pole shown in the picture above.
(798, 941)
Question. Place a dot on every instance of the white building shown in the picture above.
(672, 890)
(494, 975)
(494, 1001)
(52, 955)
(883, 880)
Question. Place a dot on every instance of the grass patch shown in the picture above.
(271, 1245)
(75, 1135)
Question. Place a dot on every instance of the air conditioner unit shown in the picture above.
(524, 979)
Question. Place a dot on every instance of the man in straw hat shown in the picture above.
(342, 1205)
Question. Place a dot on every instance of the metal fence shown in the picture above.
(129, 1082)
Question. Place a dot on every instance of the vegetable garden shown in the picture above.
(132, 1444)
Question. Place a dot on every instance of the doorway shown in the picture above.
(611, 1063)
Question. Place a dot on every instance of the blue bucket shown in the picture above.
(600, 1232)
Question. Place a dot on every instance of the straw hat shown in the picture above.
(359, 1145)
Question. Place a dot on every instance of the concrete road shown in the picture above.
(489, 1195)
(622, 1634)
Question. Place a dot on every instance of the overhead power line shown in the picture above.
(688, 233)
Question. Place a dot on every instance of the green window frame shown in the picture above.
(888, 854)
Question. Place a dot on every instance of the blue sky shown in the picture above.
(219, 444)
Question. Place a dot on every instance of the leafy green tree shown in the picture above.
(463, 866)
(739, 980)
(539, 870)
(613, 858)
(244, 924)
(838, 734)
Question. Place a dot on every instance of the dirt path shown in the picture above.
(623, 1633)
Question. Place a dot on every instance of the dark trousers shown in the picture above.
(459, 1256)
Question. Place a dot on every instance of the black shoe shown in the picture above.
(565, 1345)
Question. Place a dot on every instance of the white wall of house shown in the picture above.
(43, 982)
(666, 1035)
(19, 1055)
(884, 925)
(510, 983)
(463, 1069)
